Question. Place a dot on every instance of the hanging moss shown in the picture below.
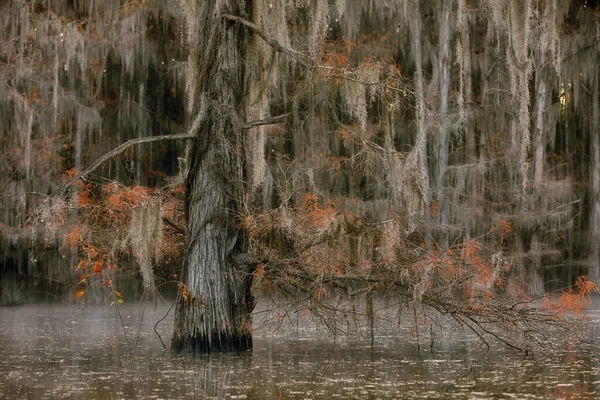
(82, 77)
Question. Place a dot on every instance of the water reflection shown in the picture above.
(55, 351)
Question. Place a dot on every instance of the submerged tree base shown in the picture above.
(217, 343)
(196, 330)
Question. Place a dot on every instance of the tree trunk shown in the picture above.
(467, 81)
(594, 272)
(542, 99)
(420, 151)
(213, 312)
(443, 140)
(10, 289)
(542, 95)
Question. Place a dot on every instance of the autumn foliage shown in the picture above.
(322, 248)
(98, 225)
(322, 251)
(573, 300)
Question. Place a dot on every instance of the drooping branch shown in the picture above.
(115, 152)
(347, 74)
(269, 40)
(333, 72)
(367, 144)
(500, 318)
(174, 225)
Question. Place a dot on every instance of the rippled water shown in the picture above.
(61, 351)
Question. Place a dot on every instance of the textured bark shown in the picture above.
(443, 140)
(542, 96)
(421, 141)
(465, 40)
(594, 272)
(535, 280)
(213, 312)
(421, 107)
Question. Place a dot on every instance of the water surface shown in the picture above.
(62, 351)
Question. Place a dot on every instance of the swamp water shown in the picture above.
(62, 351)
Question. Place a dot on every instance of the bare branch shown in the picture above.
(116, 152)
(365, 143)
(340, 73)
(269, 40)
(180, 136)
(267, 121)
(174, 225)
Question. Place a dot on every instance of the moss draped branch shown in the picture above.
(180, 136)
(301, 58)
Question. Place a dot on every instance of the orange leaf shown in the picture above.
(74, 237)
(84, 278)
(118, 294)
(114, 201)
(505, 226)
(91, 251)
(68, 175)
(84, 198)
(79, 294)
(585, 286)
(98, 266)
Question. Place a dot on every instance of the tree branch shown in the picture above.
(270, 41)
(174, 225)
(301, 58)
(266, 121)
(180, 136)
(99, 161)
